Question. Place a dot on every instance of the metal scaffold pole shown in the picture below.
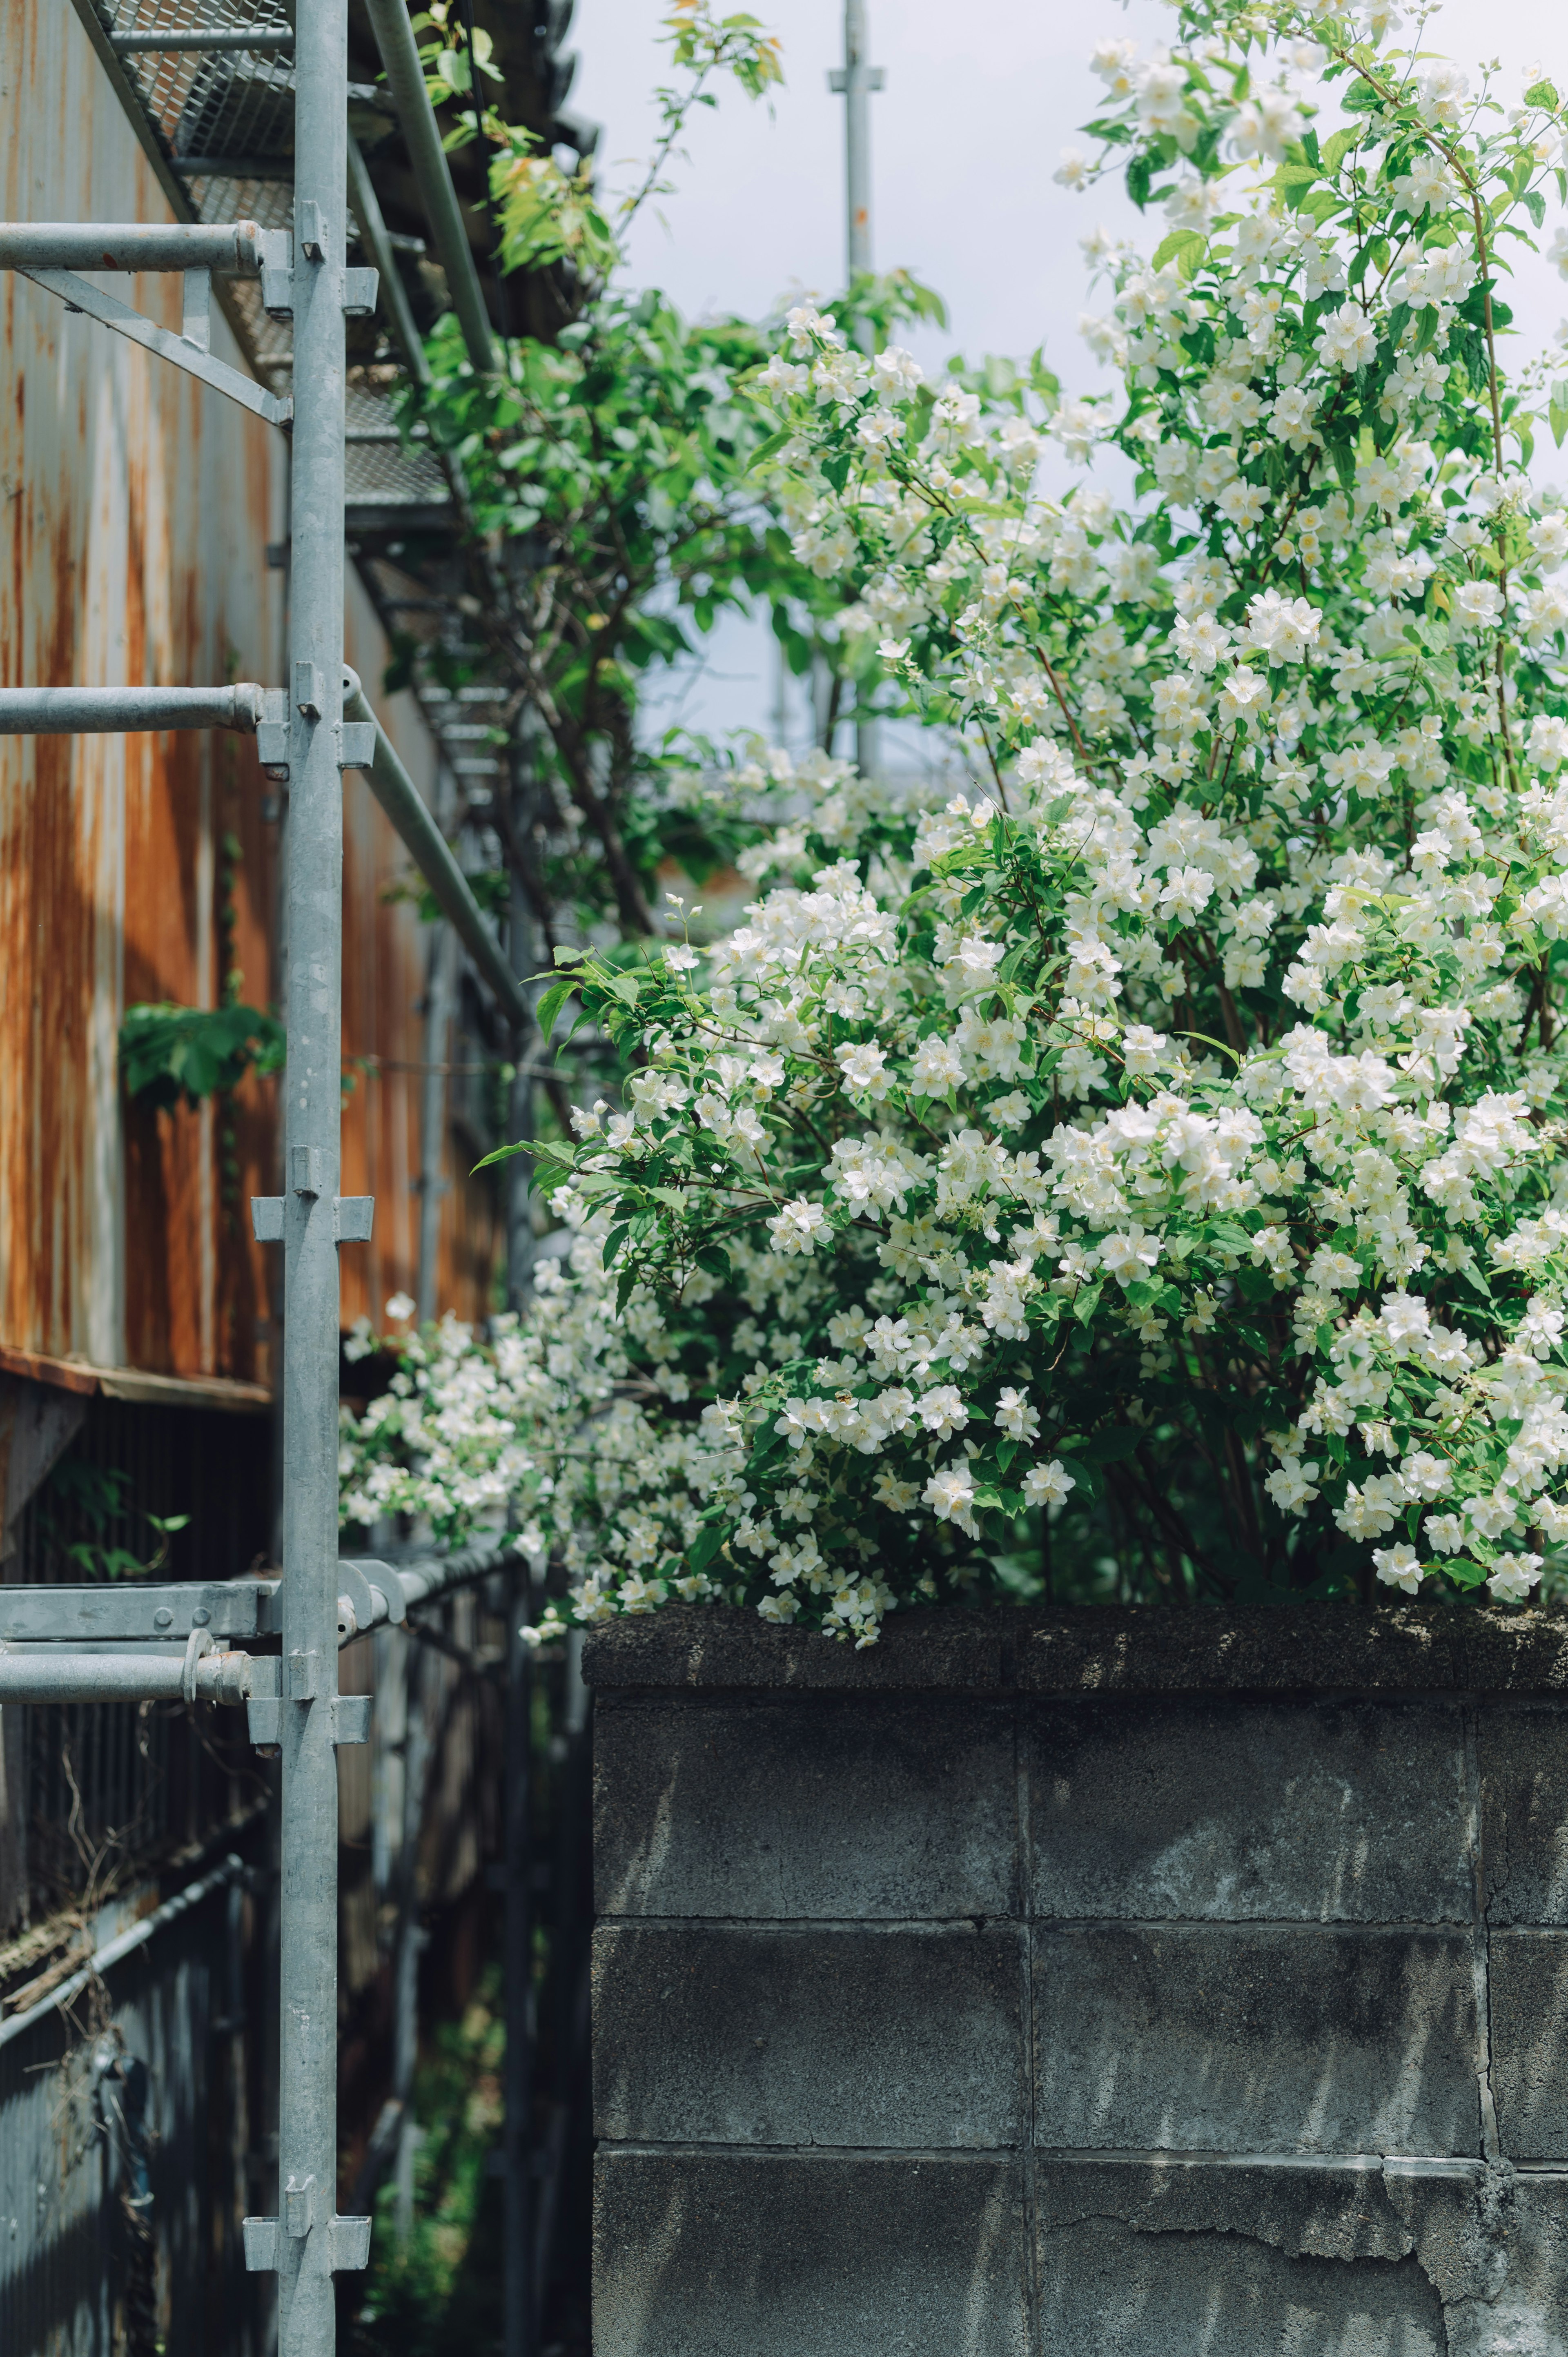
(856, 81)
(304, 2252)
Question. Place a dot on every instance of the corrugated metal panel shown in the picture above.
(78, 2276)
(135, 512)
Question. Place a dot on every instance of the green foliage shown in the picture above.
(438, 2294)
(82, 1504)
(168, 1052)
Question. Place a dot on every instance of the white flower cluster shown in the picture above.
(1164, 1142)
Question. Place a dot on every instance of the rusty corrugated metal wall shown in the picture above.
(136, 507)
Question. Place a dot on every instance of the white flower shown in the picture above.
(400, 1307)
(942, 1411)
(936, 1067)
(1399, 1566)
(1048, 1485)
(1513, 1577)
(1015, 1416)
(950, 1496)
(1347, 338)
(1479, 605)
(797, 1228)
(1125, 1258)
(862, 1067)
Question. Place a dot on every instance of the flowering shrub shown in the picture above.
(1172, 1132)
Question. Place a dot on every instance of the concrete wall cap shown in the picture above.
(1307, 1648)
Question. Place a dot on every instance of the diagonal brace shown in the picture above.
(78, 296)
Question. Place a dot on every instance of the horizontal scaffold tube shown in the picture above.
(122, 1677)
(94, 711)
(130, 245)
(114, 1950)
(406, 807)
(205, 37)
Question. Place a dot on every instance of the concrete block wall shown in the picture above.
(1090, 1985)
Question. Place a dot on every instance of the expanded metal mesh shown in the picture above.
(236, 107)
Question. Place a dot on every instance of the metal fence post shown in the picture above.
(308, 2137)
(521, 2296)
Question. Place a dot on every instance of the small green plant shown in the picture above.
(89, 1500)
(168, 1052)
(432, 2293)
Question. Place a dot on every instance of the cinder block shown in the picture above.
(1210, 1807)
(800, 2256)
(1524, 1787)
(1253, 2038)
(1529, 2043)
(871, 1807)
(752, 2035)
(1300, 2260)
(1231, 2263)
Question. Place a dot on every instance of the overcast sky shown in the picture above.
(981, 100)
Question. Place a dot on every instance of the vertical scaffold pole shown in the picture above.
(307, 2125)
(856, 81)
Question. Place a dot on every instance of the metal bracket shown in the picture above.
(348, 2244)
(359, 292)
(277, 273)
(356, 744)
(308, 690)
(353, 1217)
(272, 735)
(299, 2207)
(196, 310)
(199, 1642)
(376, 1579)
(349, 1715)
(351, 1718)
(78, 296)
(304, 1170)
(312, 230)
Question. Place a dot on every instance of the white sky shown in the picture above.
(982, 97)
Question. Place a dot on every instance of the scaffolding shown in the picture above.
(235, 112)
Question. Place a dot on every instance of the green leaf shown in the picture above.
(1535, 206)
(1087, 1302)
(553, 1000)
(1465, 1573)
(1185, 247)
(705, 1545)
(1339, 147)
(1542, 93)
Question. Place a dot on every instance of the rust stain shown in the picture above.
(136, 507)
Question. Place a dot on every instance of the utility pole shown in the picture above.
(854, 81)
